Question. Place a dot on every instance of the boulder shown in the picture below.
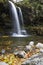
(39, 45)
(28, 48)
(20, 54)
(3, 63)
(41, 50)
(31, 43)
(3, 51)
(36, 59)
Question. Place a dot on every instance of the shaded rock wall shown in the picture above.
(5, 20)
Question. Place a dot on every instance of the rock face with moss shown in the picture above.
(32, 11)
(33, 15)
(5, 20)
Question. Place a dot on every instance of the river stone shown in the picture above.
(31, 43)
(28, 48)
(20, 54)
(3, 63)
(3, 51)
(36, 59)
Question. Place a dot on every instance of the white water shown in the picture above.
(15, 19)
(21, 20)
(17, 0)
(17, 31)
(21, 17)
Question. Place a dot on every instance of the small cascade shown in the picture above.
(20, 17)
(23, 31)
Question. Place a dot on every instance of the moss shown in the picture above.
(5, 20)
(3, 1)
(36, 30)
(32, 11)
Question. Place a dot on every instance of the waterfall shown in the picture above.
(17, 18)
(21, 20)
(20, 17)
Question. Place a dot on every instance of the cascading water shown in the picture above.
(15, 19)
(20, 17)
(17, 31)
(21, 20)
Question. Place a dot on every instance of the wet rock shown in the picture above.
(3, 63)
(36, 59)
(20, 54)
(3, 51)
(41, 50)
(26, 63)
(31, 43)
(28, 48)
(39, 45)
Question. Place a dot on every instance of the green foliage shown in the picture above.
(36, 6)
(33, 15)
(30, 17)
(3, 1)
(36, 30)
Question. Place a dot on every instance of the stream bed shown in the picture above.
(13, 50)
(11, 43)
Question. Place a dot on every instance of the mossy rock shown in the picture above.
(38, 30)
(3, 1)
